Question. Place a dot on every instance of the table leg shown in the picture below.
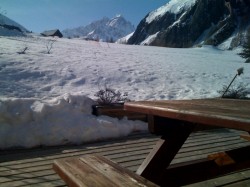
(174, 134)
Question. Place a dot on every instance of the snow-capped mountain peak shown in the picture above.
(104, 29)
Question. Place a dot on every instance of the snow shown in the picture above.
(45, 99)
(177, 7)
(63, 120)
(173, 6)
(104, 29)
(149, 39)
(124, 39)
(113, 21)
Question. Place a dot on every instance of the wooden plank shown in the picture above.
(203, 154)
(128, 146)
(188, 156)
(120, 175)
(94, 170)
(203, 169)
(46, 180)
(229, 180)
(30, 171)
(222, 105)
(112, 144)
(117, 111)
(246, 137)
(13, 176)
(44, 163)
(31, 155)
(78, 174)
(125, 153)
(33, 167)
(187, 151)
(128, 161)
(243, 183)
(36, 164)
(221, 159)
(190, 173)
(226, 113)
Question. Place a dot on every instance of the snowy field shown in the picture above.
(45, 99)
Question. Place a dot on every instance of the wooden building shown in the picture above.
(52, 33)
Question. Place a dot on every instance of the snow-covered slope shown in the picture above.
(185, 23)
(174, 6)
(124, 39)
(9, 27)
(104, 30)
(45, 99)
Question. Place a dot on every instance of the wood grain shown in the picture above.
(227, 113)
(95, 170)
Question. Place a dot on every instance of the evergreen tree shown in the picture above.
(245, 53)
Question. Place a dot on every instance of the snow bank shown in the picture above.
(63, 120)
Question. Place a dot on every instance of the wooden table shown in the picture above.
(175, 120)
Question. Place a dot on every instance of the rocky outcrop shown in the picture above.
(209, 22)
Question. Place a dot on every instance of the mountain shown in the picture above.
(185, 23)
(9, 27)
(105, 29)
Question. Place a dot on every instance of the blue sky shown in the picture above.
(40, 15)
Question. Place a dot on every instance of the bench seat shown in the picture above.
(96, 170)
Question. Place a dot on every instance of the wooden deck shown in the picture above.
(34, 167)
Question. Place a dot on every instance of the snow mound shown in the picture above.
(63, 120)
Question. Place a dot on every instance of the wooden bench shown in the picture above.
(96, 170)
(175, 120)
(117, 111)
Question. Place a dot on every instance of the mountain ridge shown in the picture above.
(9, 27)
(105, 29)
(186, 23)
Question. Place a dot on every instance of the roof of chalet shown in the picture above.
(51, 32)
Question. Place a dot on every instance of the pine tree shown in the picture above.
(245, 53)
